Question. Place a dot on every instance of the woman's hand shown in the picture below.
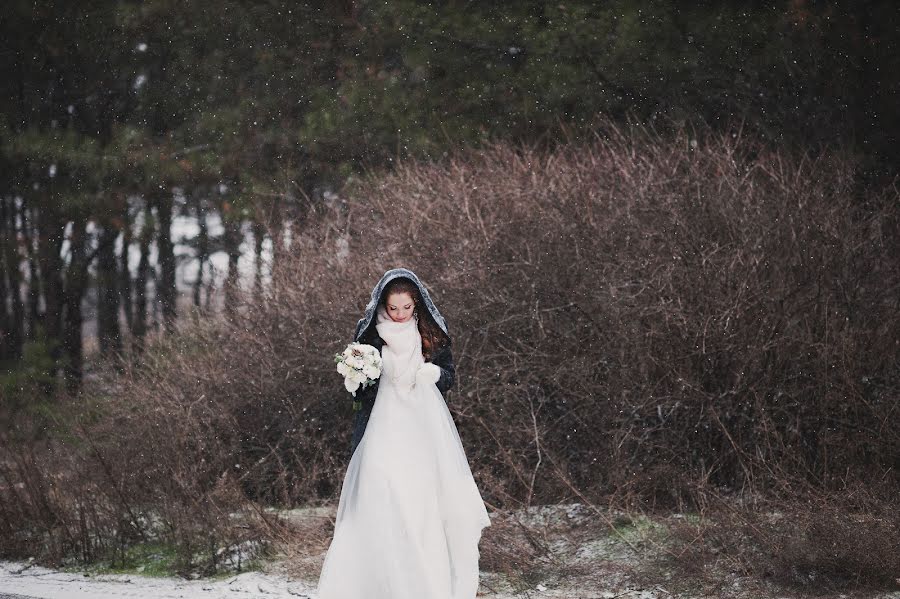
(428, 373)
(443, 359)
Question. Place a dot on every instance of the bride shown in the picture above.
(410, 516)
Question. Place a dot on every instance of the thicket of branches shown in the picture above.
(122, 120)
(639, 317)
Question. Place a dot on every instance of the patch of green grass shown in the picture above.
(247, 566)
(147, 559)
(638, 528)
(157, 559)
(692, 518)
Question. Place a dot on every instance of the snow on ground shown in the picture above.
(35, 582)
(20, 579)
(23, 580)
(581, 560)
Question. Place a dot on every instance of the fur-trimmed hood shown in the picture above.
(396, 273)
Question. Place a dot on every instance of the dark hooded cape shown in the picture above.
(396, 273)
(367, 333)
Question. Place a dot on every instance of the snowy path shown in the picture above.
(23, 581)
(36, 582)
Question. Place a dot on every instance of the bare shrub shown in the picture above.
(637, 316)
(647, 314)
(114, 475)
(311, 531)
(651, 312)
(822, 542)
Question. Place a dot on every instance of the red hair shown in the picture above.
(433, 337)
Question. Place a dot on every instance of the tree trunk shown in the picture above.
(50, 235)
(166, 285)
(139, 327)
(76, 282)
(202, 248)
(276, 229)
(34, 280)
(13, 262)
(108, 332)
(7, 341)
(232, 239)
(259, 235)
(7, 350)
(124, 270)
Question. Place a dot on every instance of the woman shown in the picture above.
(410, 515)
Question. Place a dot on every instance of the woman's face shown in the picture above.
(400, 306)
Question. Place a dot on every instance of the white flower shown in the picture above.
(360, 364)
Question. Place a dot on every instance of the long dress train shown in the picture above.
(410, 515)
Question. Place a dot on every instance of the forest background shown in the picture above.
(695, 206)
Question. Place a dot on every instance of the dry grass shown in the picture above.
(818, 545)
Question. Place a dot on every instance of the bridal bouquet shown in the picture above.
(360, 364)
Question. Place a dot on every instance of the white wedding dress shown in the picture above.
(410, 516)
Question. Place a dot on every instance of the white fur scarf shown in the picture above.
(402, 352)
